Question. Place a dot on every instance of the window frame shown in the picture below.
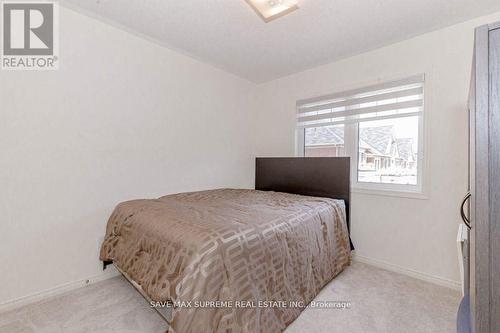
(351, 140)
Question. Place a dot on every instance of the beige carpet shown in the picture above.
(381, 301)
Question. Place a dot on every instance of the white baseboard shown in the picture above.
(455, 285)
(110, 272)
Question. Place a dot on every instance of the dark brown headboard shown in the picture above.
(327, 177)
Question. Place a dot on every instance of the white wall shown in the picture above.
(122, 118)
(413, 235)
(125, 118)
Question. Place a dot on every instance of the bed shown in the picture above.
(237, 260)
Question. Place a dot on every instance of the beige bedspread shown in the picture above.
(230, 245)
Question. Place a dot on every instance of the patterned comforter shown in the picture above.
(242, 248)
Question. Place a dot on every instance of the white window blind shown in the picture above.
(396, 99)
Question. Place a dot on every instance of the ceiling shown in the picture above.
(229, 35)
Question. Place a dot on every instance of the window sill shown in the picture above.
(390, 193)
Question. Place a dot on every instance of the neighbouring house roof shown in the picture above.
(380, 140)
(405, 148)
(325, 135)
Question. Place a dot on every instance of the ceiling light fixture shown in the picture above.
(269, 10)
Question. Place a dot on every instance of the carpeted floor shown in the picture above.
(381, 301)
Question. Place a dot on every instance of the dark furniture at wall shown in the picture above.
(480, 308)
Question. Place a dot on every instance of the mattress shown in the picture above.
(263, 256)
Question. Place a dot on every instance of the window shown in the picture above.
(379, 127)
